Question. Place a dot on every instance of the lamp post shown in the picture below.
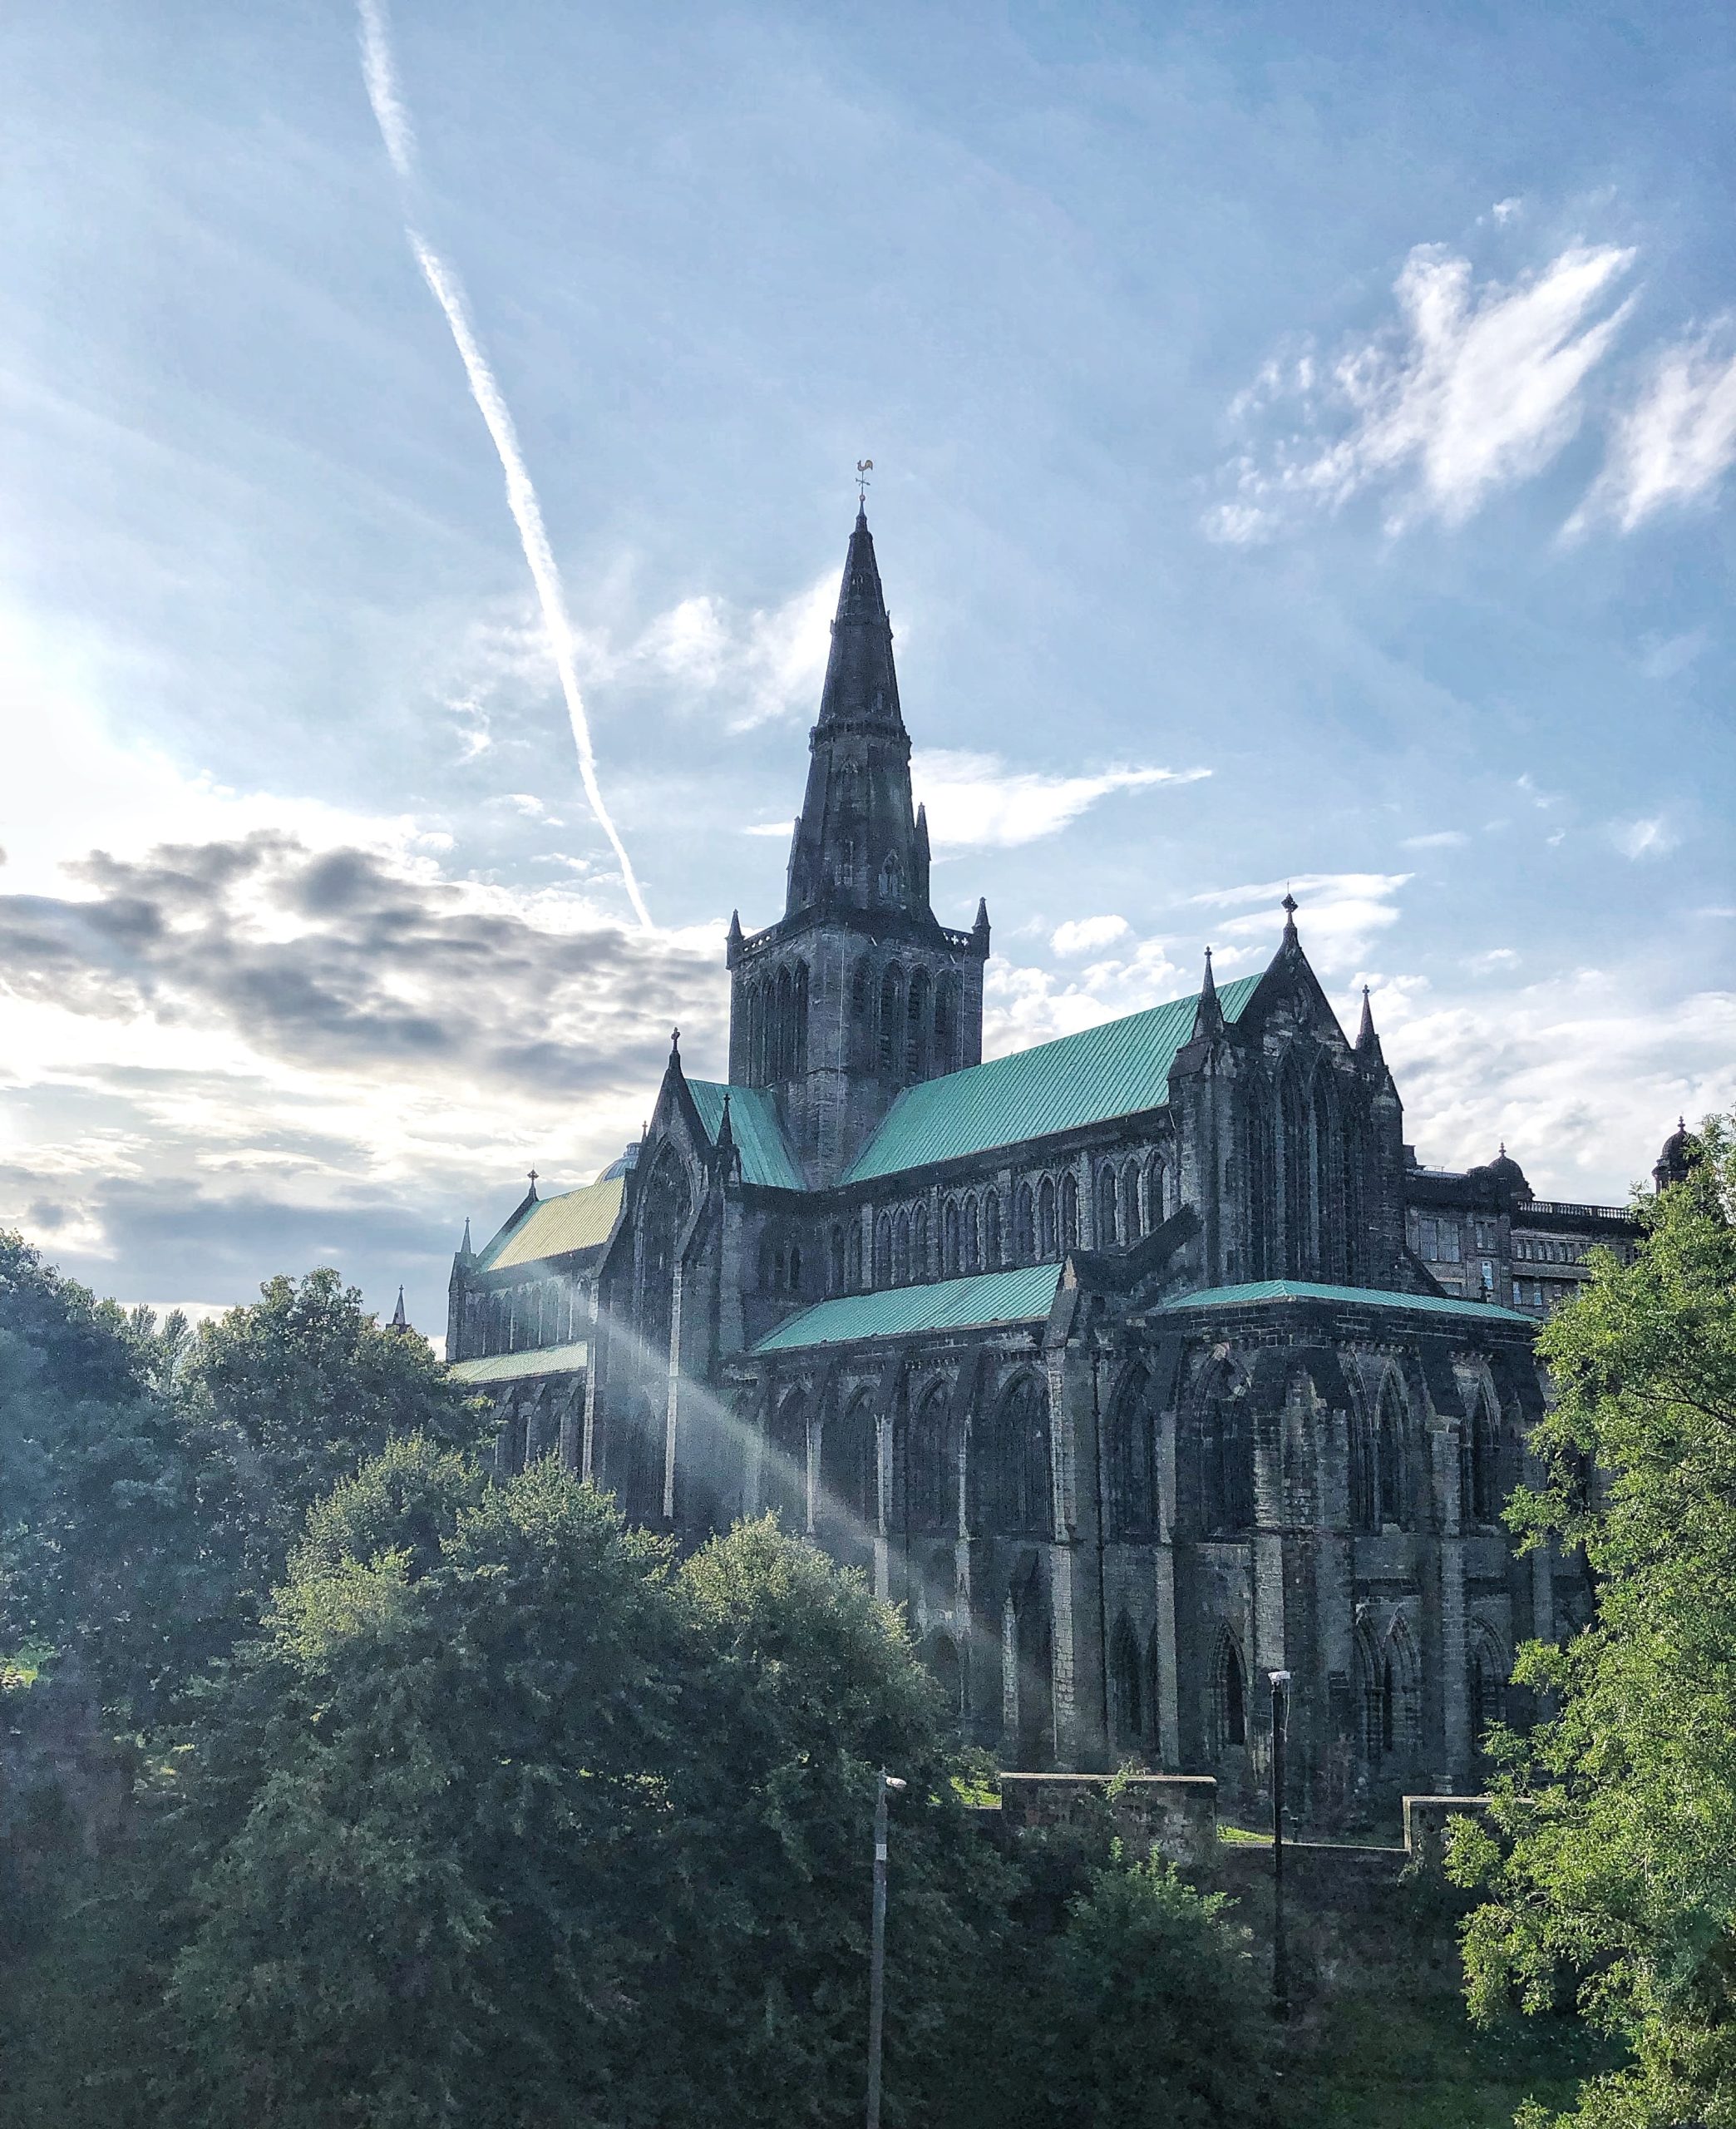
(883, 1783)
(1279, 1681)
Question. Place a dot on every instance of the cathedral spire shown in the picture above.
(1366, 1038)
(858, 841)
(1209, 1017)
(400, 1319)
(860, 684)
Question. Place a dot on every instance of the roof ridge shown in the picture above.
(1111, 1068)
(1097, 1028)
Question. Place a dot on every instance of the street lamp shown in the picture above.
(1279, 1682)
(883, 1783)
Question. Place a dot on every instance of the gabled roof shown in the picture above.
(515, 1367)
(756, 1128)
(1113, 1070)
(1025, 1296)
(1282, 1289)
(578, 1219)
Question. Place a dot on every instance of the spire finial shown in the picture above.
(865, 467)
(533, 1183)
(1290, 905)
(1365, 1033)
(675, 1045)
(1209, 1016)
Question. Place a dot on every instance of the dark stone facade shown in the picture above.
(1262, 1416)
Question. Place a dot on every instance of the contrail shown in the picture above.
(447, 290)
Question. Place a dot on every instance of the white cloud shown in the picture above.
(1582, 1075)
(1439, 839)
(764, 663)
(1677, 442)
(1474, 387)
(1081, 935)
(1649, 837)
(1340, 916)
(1662, 657)
(974, 800)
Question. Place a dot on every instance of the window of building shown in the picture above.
(1106, 1224)
(1070, 1211)
(992, 1230)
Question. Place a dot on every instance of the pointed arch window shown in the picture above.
(1365, 1473)
(1046, 1218)
(835, 1272)
(1131, 1443)
(847, 1516)
(970, 1249)
(1017, 1493)
(1480, 1481)
(946, 1024)
(950, 1251)
(1070, 1211)
(786, 1487)
(883, 1252)
(901, 1250)
(1108, 1223)
(992, 1230)
(853, 1246)
(920, 1269)
(916, 1013)
(1391, 1439)
(1025, 1225)
(1126, 1682)
(1226, 1462)
(1131, 1226)
(1229, 1696)
(860, 996)
(1154, 1212)
(931, 1464)
(891, 1019)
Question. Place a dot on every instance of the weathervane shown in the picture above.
(865, 467)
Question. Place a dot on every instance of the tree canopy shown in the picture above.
(1610, 1867)
(152, 1479)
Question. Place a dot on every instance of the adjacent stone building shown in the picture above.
(1138, 1366)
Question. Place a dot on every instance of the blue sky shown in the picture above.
(1303, 454)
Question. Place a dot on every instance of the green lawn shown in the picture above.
(1360, 2064)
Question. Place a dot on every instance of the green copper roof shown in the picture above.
(555, 1227)
(1275, 1290)
(753, 1120)
(1022, 1297)
(1113, 1070)
(513, 1367)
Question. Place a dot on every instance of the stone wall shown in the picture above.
(1176, 1814)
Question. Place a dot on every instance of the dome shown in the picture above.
(1504, 1176)
(627, 1162)
(1681, 1150)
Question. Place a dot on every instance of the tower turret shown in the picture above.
(856, 990)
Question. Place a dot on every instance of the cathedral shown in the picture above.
(1137, 1367)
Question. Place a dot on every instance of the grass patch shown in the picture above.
(1361, 2063)
(1243, 1837)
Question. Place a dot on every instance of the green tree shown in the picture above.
(112, 1503)
(152, 1481)
(1159, 2016)
(504, 1819)
(1610, 1869)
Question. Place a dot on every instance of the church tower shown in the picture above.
(856, 990)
